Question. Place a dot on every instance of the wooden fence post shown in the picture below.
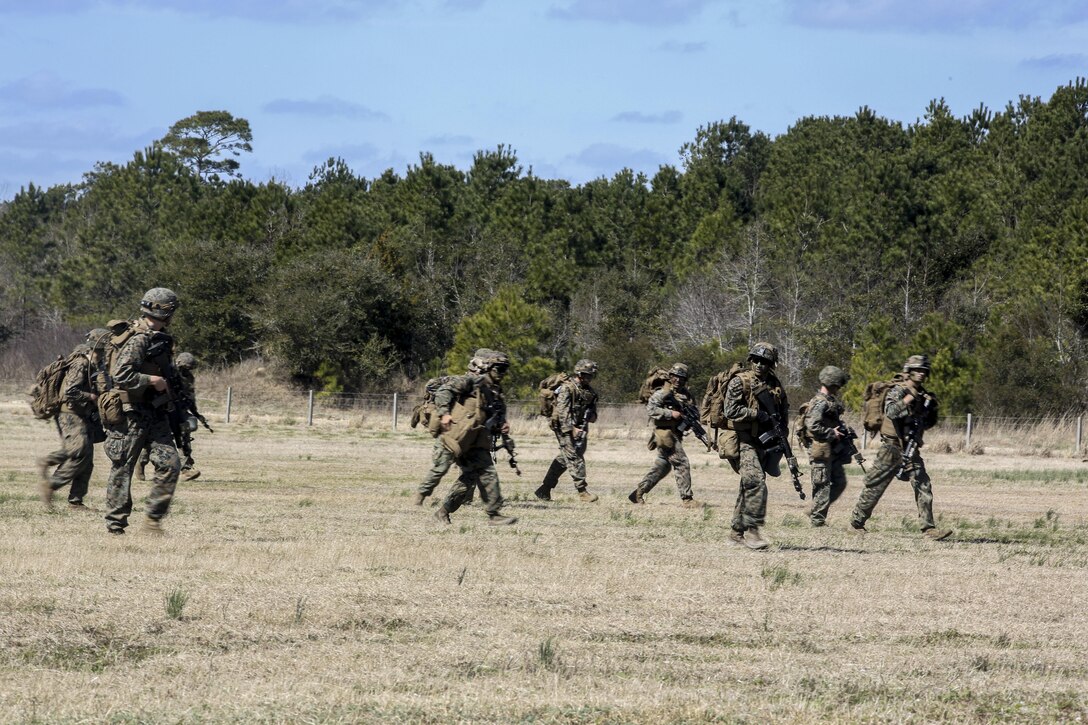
(229, 397)
(310, 409)
(394, 411)
(967, 442)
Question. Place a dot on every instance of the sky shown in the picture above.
(579, 89)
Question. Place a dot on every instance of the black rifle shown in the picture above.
(777, 438)
(847, 436)
(911, 433)
(496, 417)
(689, 418)
(503, 440)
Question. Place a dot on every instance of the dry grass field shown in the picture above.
(298, 583)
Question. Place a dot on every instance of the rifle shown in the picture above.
(689, 419)
(777, 438)
(846, 443)
(503, 440)
(913, 432)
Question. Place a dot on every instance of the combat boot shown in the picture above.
(859, 530)
(500, 520)
(735, 538)
(442, 516)
(937, 534)
(77, 506)
(543, 493)
(139, 472)
(636, 496)
(586, 496)
(190, 474)
(419, 498)
(753, 540)
(45, 485)
(153, 527)
(690, 503)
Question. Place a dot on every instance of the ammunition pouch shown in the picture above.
(111, 408)
(664, 438)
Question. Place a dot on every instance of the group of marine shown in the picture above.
(746, 405)
(126, 387)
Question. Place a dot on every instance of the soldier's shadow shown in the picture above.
(828, 549)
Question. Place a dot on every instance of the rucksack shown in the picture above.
(655, 379)
(804, 437)
(712, 407)
(873, 402)
(425, 408)
(46, 395)
(547, 392)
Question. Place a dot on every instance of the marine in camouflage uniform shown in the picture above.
(78, 425)
(668, 440)
(478, 400)
(575, 408)
(139, 370)
(823, 421)
(745, 414)
(906, 399)
(442, 457)
(185, 363)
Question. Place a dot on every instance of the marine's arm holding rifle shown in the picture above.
(771, 414)
(845, 443)
(689, 418)
(910, 418)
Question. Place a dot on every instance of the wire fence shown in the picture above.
(970, 433)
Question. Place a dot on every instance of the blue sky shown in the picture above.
(578, 88)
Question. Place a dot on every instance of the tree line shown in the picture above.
(852, 241)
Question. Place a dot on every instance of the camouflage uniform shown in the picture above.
(745, 415)
(473, 453)
(828, 474)
(575, 407)
(667, 440)
(188, 390)
(889, 458)
(79, 429)
(142, 355)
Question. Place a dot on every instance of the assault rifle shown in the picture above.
(777, 438)
(689, 419)
(911, 433)
(846, 443)
(503, 440)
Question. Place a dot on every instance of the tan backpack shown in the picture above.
(423, 413)
(548, 389)
(873, 402)
(712, 407)
(655, 380)
(46, 395)
(800, 430)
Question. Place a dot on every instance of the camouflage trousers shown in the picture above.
(669, 458)
(750, 511)
(441, 460)
(883, 473)
(145, 457)
(571, 458)
(477, 471)
(74, 459)
(828, 483)
(123, 446)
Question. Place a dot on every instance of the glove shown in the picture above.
(763, 416)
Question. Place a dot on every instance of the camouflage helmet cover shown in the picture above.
(585, 366)
(97, 338)
(479, 361)
(185, 360)
(833, 376)
(916, 362)
(680, 370)
(159, 303)
(764, 351)
(498, 359)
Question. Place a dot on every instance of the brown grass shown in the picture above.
(312, 590)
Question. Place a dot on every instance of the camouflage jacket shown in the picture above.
(824, 414)
(660, 415)
(136, 362)
(896, 410)
(77, 385)
(741, 407)
(573, 402)
(460, 387)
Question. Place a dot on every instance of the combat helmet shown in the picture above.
(185, 361)
(680, 370)
(499, 360)
(916, 362)
(832, 376)
(159, 303)
(764, 351)
(585, 366)
(478, 363)
(98, 337)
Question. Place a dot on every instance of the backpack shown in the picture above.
(46, 395)
(873, 405)
(424, 410)
(804, 437)
(548, 389)
(655, 379)
(712, 407)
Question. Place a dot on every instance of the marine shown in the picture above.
(575, 409)
(827, 451)
(668, 438)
